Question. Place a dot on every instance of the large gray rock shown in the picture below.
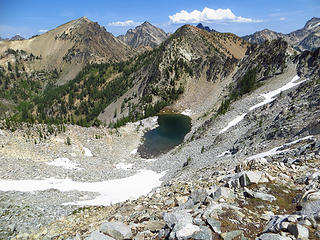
(262, 196)
(310, 208)
(198, 195)
(214, 224)
(117, 230)
(223, 192)
(98, 236)
(204, 234)
(298, 231)
(274, 225)
(231, 235)
(171, 218)
(183, 231)
(272, 236)
(246, 178)
(153, 225)
(181, 223)
(252, 177)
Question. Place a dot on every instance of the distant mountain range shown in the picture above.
(14, 38)
(306, 38)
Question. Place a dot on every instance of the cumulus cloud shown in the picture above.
(43, 30)
(122, 24)
(208, 15)
(282, 18)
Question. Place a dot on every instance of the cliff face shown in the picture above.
(309, 64)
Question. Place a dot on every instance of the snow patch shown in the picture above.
(270, 96)
(150, 160)
(87, 152)
(233, 122)
(134, 151)
(280, 149)
(313, 26)
(65, 163)
(111, 191)
(187, 112)
(124, 166)
(223, 154)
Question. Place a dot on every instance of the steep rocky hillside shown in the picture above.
(306, 38)
(191, 60)
(144, 35)
(67, 48)
(309, 64)
(252, 172)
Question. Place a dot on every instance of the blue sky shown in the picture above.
(30, 17)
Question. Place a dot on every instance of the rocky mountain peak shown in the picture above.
(16, 38)
(145, 34)
(313, 24)
(306, 38)
(200, 25)
(146, 24)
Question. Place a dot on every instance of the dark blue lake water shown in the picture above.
(170, 133)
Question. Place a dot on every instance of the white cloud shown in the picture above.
(282, 19)
(42, 30)
(208, 15)
(122, 24)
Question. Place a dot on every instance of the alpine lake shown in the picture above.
(171, 131)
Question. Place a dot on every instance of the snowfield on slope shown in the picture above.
(268, 97)
(111, 191)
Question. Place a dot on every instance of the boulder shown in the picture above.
(223, 192)
(184, 230)
(204, 234)
(181, 224)
(262, 196)
(98, 236)
(298, 231)
(252, 177)
(117, 230)
(310, 208)
(153, 225)
(245, 178)
(198, 195)
(214, 224)
(231, 235)
(272, 236)
(171, 218)
(274, 225)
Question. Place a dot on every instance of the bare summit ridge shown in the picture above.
(145, 34)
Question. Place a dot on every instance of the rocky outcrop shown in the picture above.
(206, 28)
(266, 60)
(309, 64)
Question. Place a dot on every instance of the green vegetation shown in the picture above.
(81, 100)
(68, 141)
(247, 84)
